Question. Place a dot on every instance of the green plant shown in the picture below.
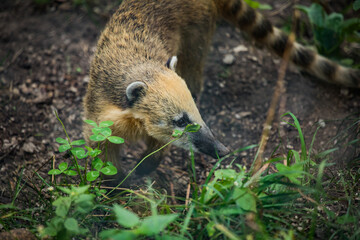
(69, 210)
(356, 5)
(330, 31)
(101, 133)
(291, 197)
(256, 4)
(135, 227)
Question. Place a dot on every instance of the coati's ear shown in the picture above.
(135, 91)
(171, 63)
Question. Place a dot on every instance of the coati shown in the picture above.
(135, 82)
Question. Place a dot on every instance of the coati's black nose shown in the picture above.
(205, 142)
(221, 150)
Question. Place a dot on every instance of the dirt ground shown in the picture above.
(45, 55)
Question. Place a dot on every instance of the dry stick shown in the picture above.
(172, 193)
(13, 59)
(279, 90)
(279, 10)
(45, 163)
(187, 195)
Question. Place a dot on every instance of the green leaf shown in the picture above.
(244, 199)
(301, 136)
(64, 189)
(125, 217)
(109, 170)
(54, 172)
(108, 234)
(70, 172)
(96, 130)
(78, 142)
(92, 123)
(92, 175)
(106, 132)
(155, 224)
(192, 127)
(345, 219)
(177, 133)
(106, 124)
(263, 6)
(334, 21)
(79, 152)
(330, 214)
(72, 225)
(210, 227)
(293, 172)
(48, 231)
(84, 198)
(62, 205)
(228, 174)
(255, 5)
(61, 140)
(231, 210)
(89, 149)
(356, 5)
(252, 3)
(79, 190)
(347, 62)
(315, 13)
(97, 164)
(54, 226)
(64, 148)
(116, 140)
(97, 138)
(84, 203)
(94, 153)
(115, 234)
(109, 164)
(63, 166)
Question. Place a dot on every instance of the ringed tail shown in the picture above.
(262, 31)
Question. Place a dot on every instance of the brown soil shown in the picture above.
(44, 61)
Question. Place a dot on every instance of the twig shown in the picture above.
(279, 90)
(187, 195)
(13, 59)
(45, 163)
(172, 193)
(280, 9)
(226, 232)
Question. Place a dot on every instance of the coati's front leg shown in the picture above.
(113, 153)
(153, 161)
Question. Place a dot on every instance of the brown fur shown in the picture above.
(138, 41)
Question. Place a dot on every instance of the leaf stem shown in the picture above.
(67, 136)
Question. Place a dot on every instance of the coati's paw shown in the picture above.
(148, 165)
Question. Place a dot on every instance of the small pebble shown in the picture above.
(228, 59)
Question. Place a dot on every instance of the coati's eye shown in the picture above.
(182, 122)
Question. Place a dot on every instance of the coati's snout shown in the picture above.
(205, 142)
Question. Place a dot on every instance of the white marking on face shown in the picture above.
(176, 118)
(173, 63)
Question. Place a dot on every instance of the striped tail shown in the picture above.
(263, 32)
